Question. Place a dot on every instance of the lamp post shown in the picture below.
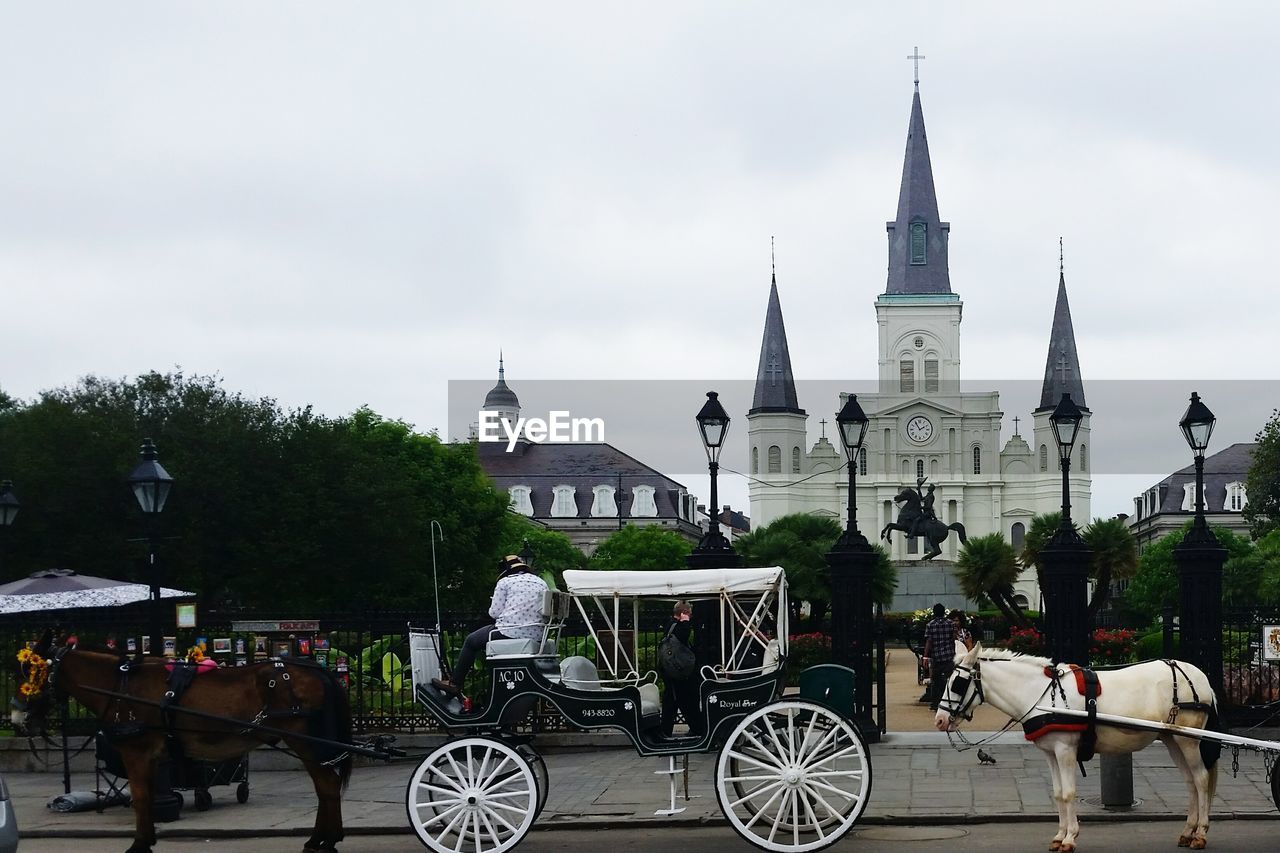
(713, 550)
(9, 506)
(1065, 559)
(151, 485)
(1200, 558)
(850, 565)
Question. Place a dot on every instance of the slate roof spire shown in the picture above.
(917, 237)
(775, 383)
(500, 397)
(1062, 366)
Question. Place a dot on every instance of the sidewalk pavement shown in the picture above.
(917, 778)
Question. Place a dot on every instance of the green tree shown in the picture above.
(987, 566)
(552, 551)
(1262, 486)
(1267, 551)
(336, 511)
(1113, 557)
(647, 547)
(1155, 584)
(799, 543)
(1038, 535)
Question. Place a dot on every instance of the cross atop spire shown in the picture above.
(1060, 265)
(501, 370)
(915, 58)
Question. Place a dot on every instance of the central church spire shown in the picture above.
(917, 237)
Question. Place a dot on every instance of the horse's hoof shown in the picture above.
(1067, 848)
(1055, 844)
(1184, 840)
(1199, 843)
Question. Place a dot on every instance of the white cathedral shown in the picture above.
(922, 424)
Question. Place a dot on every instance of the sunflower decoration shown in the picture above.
(195, 654)
(37, 673)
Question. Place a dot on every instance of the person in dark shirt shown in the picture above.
(940, 651)
(682, 694)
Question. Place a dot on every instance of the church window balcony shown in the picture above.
(795, 460)
(775, 459)
(907, 376)
(862, 462)
(919, 468)
(919, 233)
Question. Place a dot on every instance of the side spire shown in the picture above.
(500, 397)
(775, 383)
(1062, 366)
(918, 237)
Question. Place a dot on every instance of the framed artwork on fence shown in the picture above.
(222, 645)
(322, 658)
(322, 644)
(304, 647)
(146, 645)
(260, 646)
(1271, 642)
(242, 660)
(131, 645)
(239, 645)
(170, 647)
(281, 648)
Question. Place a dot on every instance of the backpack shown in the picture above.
(675, 660)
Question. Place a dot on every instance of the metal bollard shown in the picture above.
(1117, 780)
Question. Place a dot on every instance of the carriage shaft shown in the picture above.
(1183, 731)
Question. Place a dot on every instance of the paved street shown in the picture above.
(1238, 836)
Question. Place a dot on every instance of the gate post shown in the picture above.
(849, 570)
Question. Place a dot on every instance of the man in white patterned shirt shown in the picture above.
(517, 614)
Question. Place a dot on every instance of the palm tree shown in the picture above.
(988, 566)
(1115, 557)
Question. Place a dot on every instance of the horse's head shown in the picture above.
(963, 691)
(907, 496)
(34, 697)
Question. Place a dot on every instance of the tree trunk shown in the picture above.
(1101, 591)
(817, 612)
(1002, 596)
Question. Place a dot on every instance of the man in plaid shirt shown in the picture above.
(940, 652)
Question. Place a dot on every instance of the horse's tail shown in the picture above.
(1210, 750)
(959, 529)
(332, 724)
(342, 726)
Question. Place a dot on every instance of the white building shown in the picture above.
(922, 424)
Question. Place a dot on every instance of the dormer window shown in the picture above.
(604, 506)
(642, 505)
(564, 504)
(1188, 497)
(520, 500)
(918, 233)
(1236, 498)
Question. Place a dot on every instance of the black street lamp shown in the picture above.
(713, 424)
(9, 506)
(1200, 558)
(713, 550)
(151, 485)
(851, 564)
(1065, 559)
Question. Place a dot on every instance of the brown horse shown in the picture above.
(293, 702)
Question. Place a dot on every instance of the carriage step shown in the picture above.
(672, 773)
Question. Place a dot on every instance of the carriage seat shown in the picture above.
(518, 648)
(580, 673)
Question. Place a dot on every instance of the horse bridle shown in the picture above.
(958, 684)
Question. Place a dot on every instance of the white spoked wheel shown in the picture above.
(793, 776)
(475, 794)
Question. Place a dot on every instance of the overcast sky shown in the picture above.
(342, 205)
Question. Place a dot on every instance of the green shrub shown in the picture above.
(804, 651)
(1150, 646)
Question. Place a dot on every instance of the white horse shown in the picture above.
(1015, 684)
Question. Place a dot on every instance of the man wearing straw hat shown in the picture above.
(517, 615)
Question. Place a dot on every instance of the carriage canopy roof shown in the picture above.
(677, 583)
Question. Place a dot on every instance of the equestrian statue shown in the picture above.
(917, 518)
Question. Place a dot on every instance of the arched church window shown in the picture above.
(931, 375)
(862, 462)
(775, 459)
(795, 460)
(1018, 535)
(1044, 458)
(977, 459)
(1084, 457)
(906, 468)
(755, 460)
(919, 468)
(918, 233)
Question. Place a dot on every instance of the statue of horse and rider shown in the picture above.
(917, 518)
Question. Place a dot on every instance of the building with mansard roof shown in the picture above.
(586, 490)
(1171, 503)
(922, 424)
